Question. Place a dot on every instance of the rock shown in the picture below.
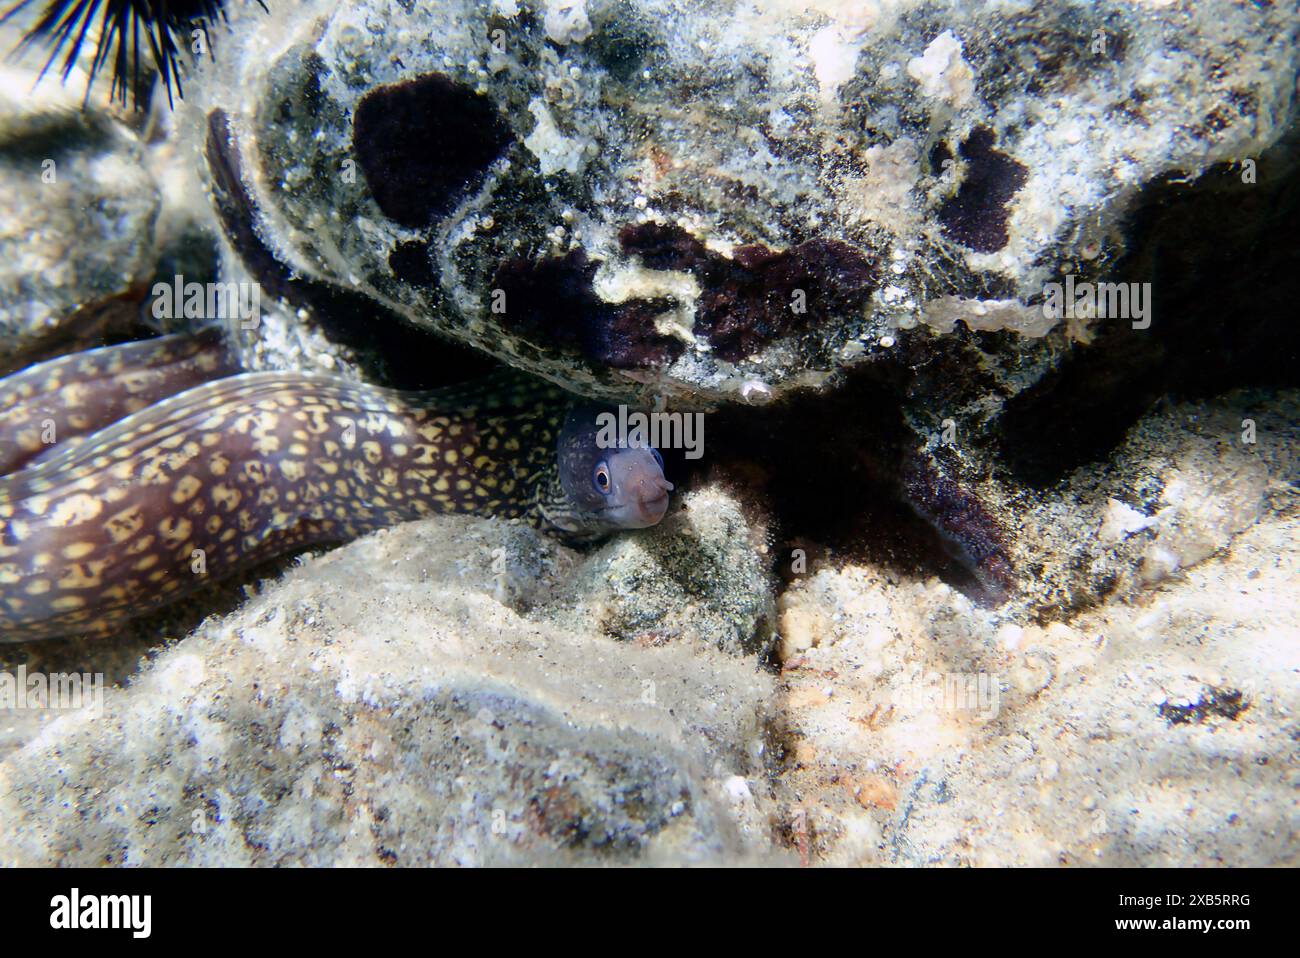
(77, 211)
(382, 705)
(801, 629)
(701, 573)
(556, 184)
(1142, 720)
(1193, 484)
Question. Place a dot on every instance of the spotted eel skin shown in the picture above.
(47, 408)
(229, 473)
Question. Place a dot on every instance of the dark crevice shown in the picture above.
(840, 477)
(1223, 260)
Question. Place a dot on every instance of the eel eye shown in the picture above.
(601, 477)
(658, 458)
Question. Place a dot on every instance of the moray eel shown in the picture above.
(221, 476)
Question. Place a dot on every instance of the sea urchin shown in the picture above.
(119, 28)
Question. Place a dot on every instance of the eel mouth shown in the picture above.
(652, 510)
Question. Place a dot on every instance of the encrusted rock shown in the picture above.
(384, 705)
(691, 198)
(702, 574)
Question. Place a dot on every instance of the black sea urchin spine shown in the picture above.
(119, 28)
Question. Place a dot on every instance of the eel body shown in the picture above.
(226, 474)
(49, 407)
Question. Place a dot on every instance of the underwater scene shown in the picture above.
(792, 433)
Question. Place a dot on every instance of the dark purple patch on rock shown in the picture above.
(759, 295)
(976, 216)
(551, 301)
(665, 247)
(421, 144)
